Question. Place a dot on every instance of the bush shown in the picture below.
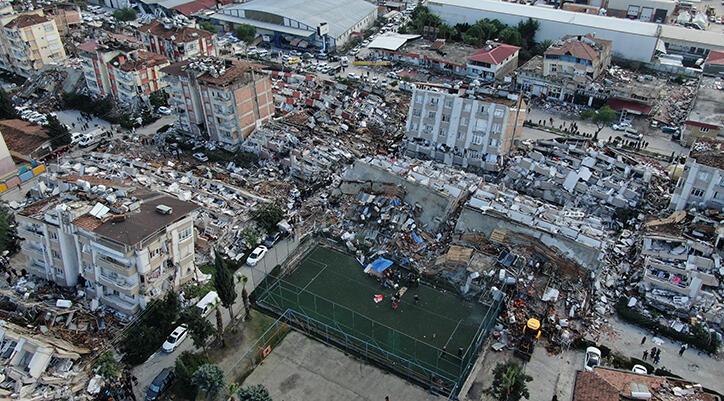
(125, 14)
(150, 330)
(186, 365)
(698, 337)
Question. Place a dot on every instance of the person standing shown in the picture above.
(682, 349)
(646, 355)
(643, 340)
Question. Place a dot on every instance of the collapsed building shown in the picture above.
(702, 182)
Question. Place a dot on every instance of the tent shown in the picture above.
(378, 266)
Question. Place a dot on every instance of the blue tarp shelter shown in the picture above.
(378, 266)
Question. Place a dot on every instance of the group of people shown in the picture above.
(655, 353)
(84, 120)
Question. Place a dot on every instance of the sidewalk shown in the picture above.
(626, 339)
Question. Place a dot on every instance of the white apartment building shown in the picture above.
(462, 129)
(127, 246)
(702, 182)
(224, 99)
(31, 42)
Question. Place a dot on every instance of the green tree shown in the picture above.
(7, 109)
(268, 215)
(7, 230)
(209, 378)
(151, 330)
(541, 47)
(509, 382)
(58, 133)
(251, 235)
(186, 365)
(107, 367)
(219, 328)
(224, 284)
(125, 14)
(510, 36)
(158, 99)
(527, 30)
(245, 297)
(139, 344)
(245, 32)
(208, 26)
(601, 117)
(256, 392)
(200, 329)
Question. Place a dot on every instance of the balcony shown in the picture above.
(120, 304)
(30, 233)
(117, 266)
(34, 250)
(119, 283)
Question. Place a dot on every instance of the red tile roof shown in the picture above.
(604, 384)
(621, 104)
(496, 55)
(715, 57)
(88, 46)
(23, 137)
(578, 48)
(198, 5)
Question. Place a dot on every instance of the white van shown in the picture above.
(208, 303)
(91, 138)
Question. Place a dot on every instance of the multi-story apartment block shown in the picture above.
(177, 43)
(117, 69)
(458, 129)
(581, 55)
(31, 42)
(224, 99)
(702, 182)
(126, 245)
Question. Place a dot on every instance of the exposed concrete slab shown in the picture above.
(302, 369)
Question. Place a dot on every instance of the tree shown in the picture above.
(209, 378)
(125, 14)
(541, 47)
(251, 235)
(245, 32)
(139, 344)
(245, 297)
(7, 109)
(601, 117)
(158, 99)
(527, 30)
(7, 231)
(509, 382)
(224, 284)
(256, 392)
(268, 216)
(220, 328)
(186, 365)
(58, 133)
(510, 36)
(150, 330)
(208, 26)
(200, 329)
(107, 367)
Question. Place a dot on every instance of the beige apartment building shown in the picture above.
(701, 185)
(177, 43)
(223, 99)
(126, 245)
(460, 129)
(31, 42)
(122, 71)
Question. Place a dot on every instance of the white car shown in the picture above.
(201, 157)
(175, 338)
(164, 110)
(593, 358)
(257, 255)
(640, 369)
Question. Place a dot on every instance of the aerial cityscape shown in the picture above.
(362, 200)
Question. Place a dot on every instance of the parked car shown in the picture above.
(201, 157)
(271, 239)
(257, 255)
(164, 110)
(592, 359)
(669, 130)
(208, 303)
(175, 338)
(352, 76)
(640, 369)
(160, 383)
(621, 126)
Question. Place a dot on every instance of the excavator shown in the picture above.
(531, 334)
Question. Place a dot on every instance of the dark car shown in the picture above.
(272, 239)
(669, 130)
(160, 383)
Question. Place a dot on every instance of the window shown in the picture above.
(53, 234)
(154, 252)
(499, 113)
(445, 117)
(431, 114)
(467, 107)
(703, 129)
(482, 108)
(55, 254)
(497, 128)
(703, 176)
(477, 139)
(494, 143)
(697, 192)
(434, 101)
(186, 233)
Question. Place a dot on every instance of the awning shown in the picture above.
(629, 106)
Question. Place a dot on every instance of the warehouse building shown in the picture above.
(324, 24)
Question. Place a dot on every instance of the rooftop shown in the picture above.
(709, 105)
(709, 152)
(341, 15)
(391, 41)
(140, 60)
(450, 53)
(26, 20)
(715, 58)
(585, 47)
(603, 384)
(494, 53)
(23, 137)
(174, 33)
(212, 70)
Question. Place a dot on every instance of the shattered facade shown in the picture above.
(702, 182)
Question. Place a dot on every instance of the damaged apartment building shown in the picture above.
(125, 245)
(221, 99)
(33, 364)
(458, 127)
(682, 264)
(586, 179)
(701, 184)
